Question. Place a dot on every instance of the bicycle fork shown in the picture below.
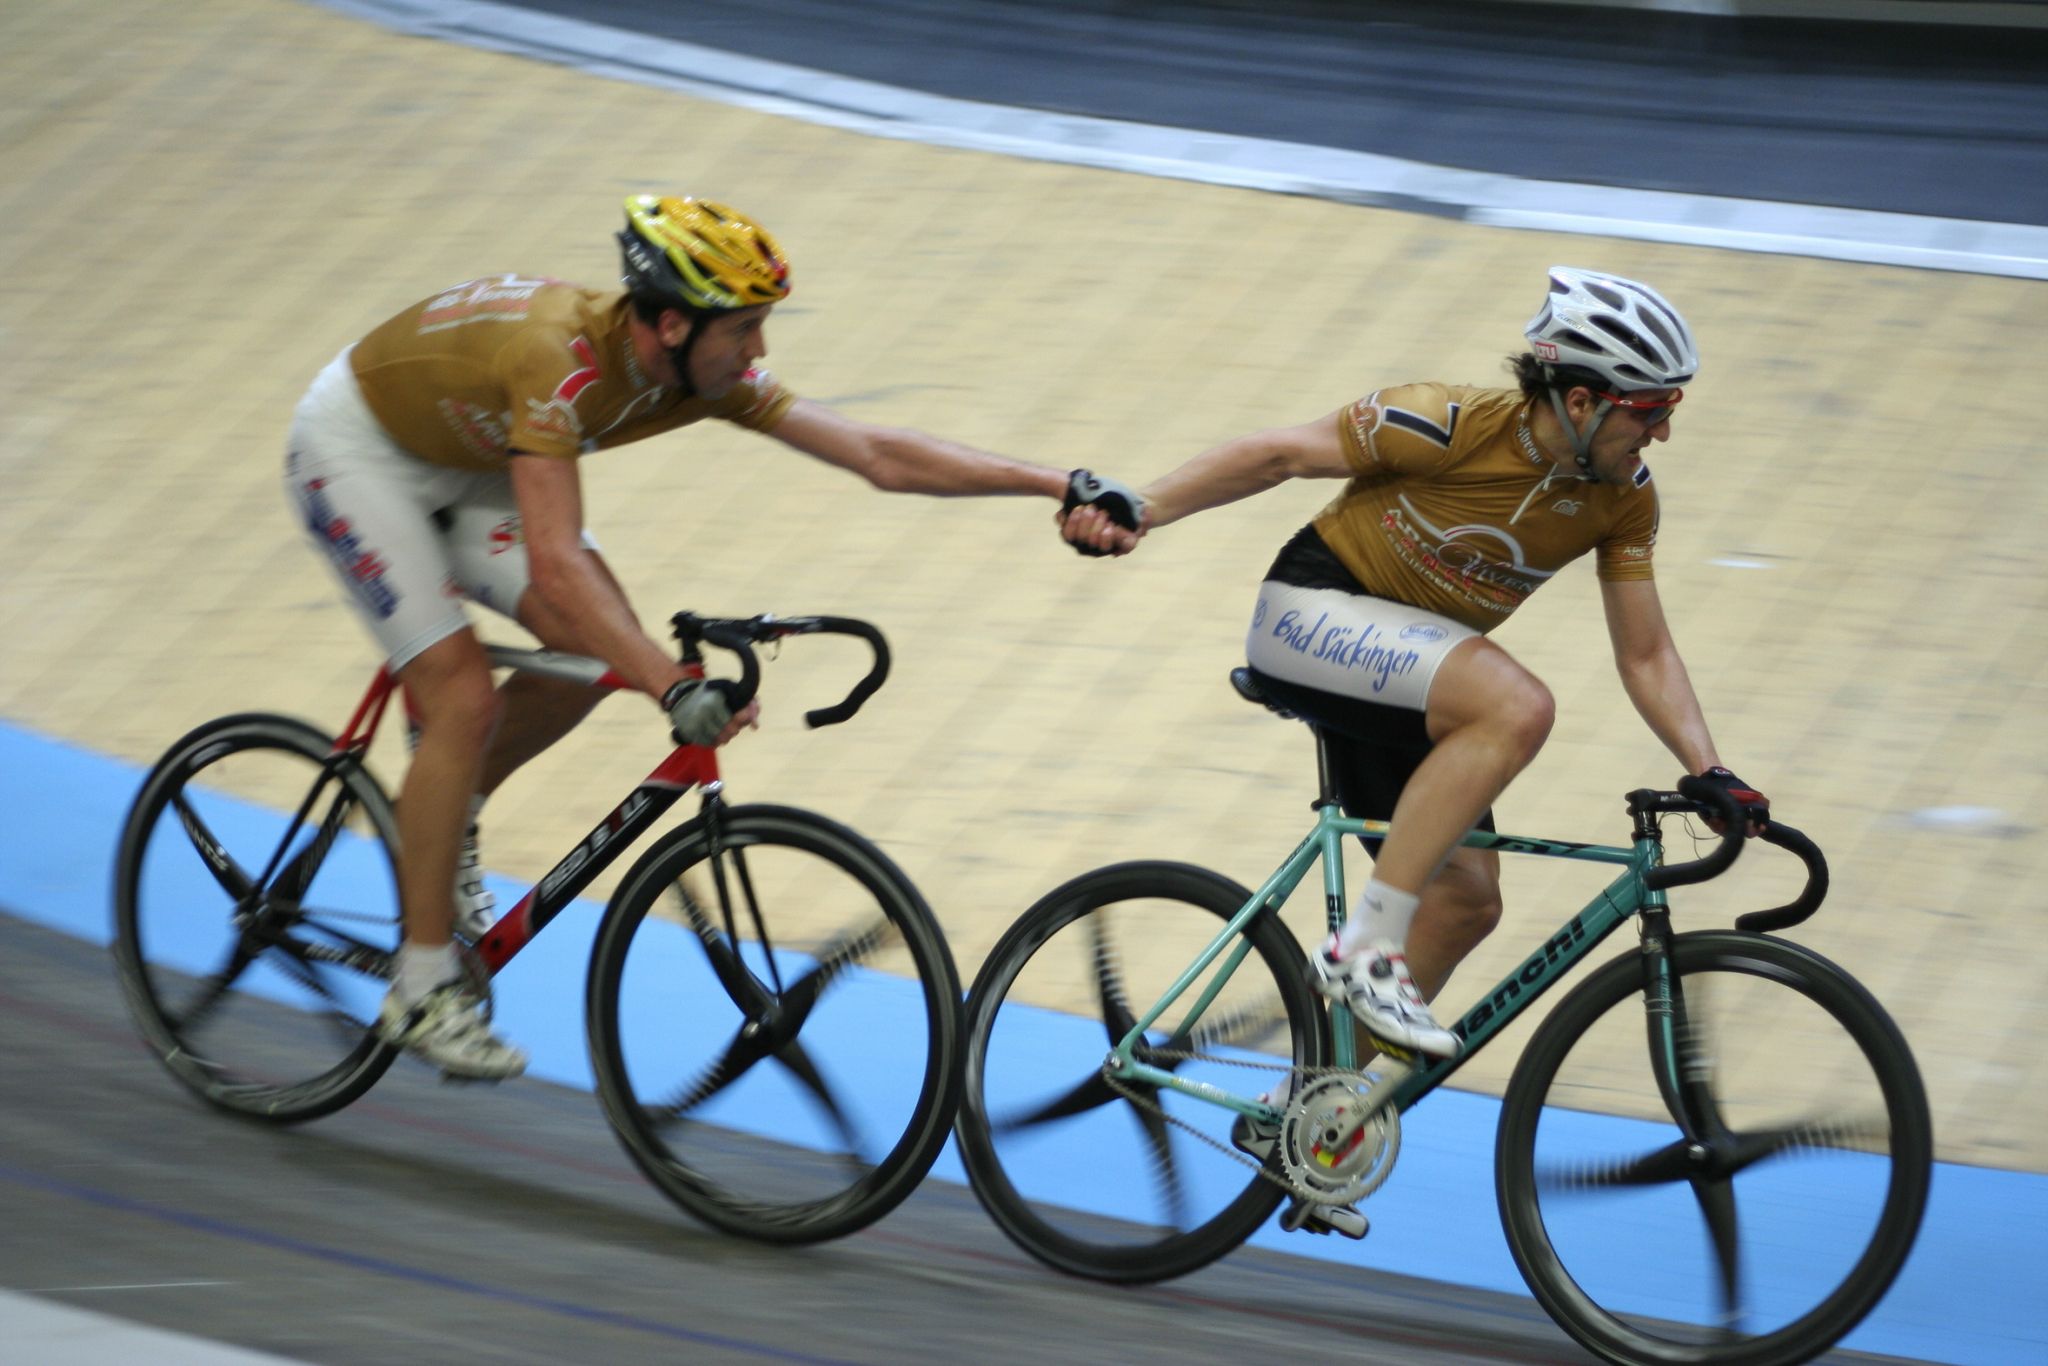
(1684, 1069)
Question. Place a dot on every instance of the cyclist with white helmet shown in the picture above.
(437, 459)
(1373, 620)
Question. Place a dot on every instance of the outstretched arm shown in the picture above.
(899, 460)
(1247, 465)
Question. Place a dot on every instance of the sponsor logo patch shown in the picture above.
(362, 568)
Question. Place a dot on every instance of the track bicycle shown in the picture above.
(1715, 1149)
(772, 1010)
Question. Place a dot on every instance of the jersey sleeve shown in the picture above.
(544, 371)
(1625, 551)
(757, 402)
(1407, 429)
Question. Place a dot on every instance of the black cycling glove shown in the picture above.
(1755, 805)
(1119, 501)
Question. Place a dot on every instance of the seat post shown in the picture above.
(1326, 769)
(1247, 685)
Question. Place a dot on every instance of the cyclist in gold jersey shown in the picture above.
(436, 460)
(1372, 621)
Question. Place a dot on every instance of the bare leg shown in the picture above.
(537, 712)
(1460, 907)
(449, 689)
(428, 1010)
(1488, 716)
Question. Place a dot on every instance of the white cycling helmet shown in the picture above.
(1624, 332)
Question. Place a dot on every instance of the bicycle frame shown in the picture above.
(686, 766)
(1626, 896)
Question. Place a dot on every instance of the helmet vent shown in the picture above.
(1627, 336)
(1660, 328)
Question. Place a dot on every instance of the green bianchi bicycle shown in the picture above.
(1723, 1080)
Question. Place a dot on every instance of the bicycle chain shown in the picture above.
(1130, 1094)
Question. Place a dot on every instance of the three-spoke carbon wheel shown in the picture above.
(1770, 1182)
(1139, 1184)
(255, 917)
(774, 1020)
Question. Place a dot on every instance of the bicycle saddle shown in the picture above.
(1247, 684)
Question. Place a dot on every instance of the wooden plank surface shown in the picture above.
(201, 202)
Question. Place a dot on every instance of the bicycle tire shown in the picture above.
(1035, 1209)
(1749, 970)
(335, 960)
(777, 1154)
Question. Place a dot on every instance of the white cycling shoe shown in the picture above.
(1375, 983)
(447, 1028)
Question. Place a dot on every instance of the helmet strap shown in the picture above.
(679, 354)
(1581, 436)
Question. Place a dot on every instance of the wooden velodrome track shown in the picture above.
(204, 199)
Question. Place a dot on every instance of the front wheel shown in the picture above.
(255, 917)
(774, 1020)
(1745, 1189)
(1127, 1181)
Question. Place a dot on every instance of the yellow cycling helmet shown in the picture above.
(704, 256)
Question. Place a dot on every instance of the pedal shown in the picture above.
(1304, 1217)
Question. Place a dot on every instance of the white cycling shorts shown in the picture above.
(408, 539)
(1350, 644)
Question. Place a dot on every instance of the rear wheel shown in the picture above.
(774, 1021)
(1770, 1179)
(256, 915)
(1139, 1183)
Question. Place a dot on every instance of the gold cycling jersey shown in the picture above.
(511, 362)
(1456, 510)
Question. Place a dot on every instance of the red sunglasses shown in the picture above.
(1649, 411)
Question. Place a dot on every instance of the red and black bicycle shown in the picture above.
(772, 1010)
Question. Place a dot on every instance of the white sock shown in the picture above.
(1381, 913)
(421, 969)
(476, 809)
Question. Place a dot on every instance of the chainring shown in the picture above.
(1309, 1149)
